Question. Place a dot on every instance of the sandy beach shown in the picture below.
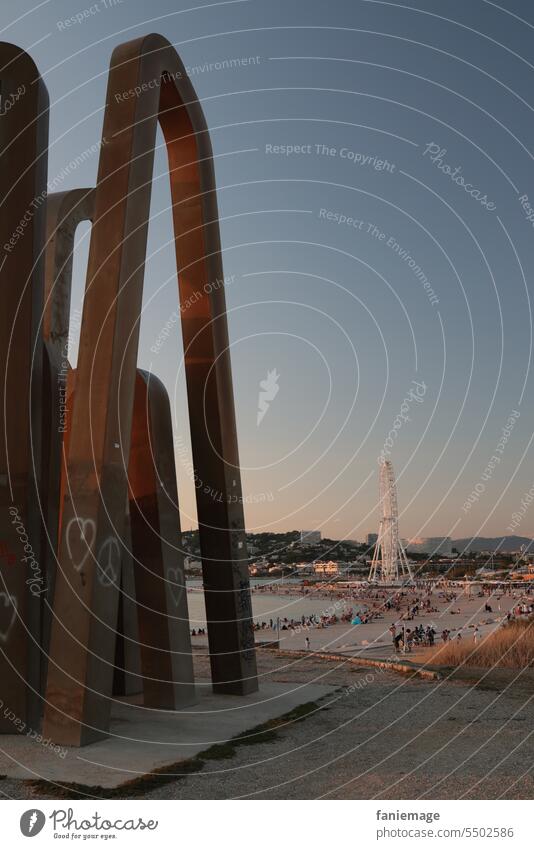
(449, 608)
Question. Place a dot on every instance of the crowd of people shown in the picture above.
(406, 638)
(524, 609)
(362, 604)
(321, 620)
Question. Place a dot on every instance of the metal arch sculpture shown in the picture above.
(64, 211)
(157, 659)
(156, 645)
(160, 591)
(79, 680)
(23, 167)
(147, 83)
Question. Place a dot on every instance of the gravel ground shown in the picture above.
(380, 735)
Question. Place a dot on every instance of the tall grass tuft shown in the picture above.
(511, 646)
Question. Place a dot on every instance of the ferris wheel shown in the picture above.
(389, 562)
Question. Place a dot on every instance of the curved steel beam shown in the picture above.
(23, 171)
(166, 662)
(64, 211)
(147, 84)
(164, 636)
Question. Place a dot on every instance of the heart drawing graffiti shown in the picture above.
(80, 537)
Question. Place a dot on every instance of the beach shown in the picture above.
(323, 614)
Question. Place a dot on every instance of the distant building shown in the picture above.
(303, 567)
(522, 576)
(327, 568)
(372, 539)
(310, 537)
(430, 545)
(257, 569)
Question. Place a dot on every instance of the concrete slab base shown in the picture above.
(144, 740)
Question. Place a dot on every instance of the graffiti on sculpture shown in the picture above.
(89, 514)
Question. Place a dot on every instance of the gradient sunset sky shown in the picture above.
(414, 120)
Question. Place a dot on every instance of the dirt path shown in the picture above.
(380, 735)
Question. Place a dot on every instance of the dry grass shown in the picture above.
(511, 646)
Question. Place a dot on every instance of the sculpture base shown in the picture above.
(149, 741)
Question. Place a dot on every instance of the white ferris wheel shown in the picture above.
(390, 563)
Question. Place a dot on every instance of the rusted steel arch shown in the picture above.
(65, 210)
(79, 682)
(164, 636)
(54, 400)
(23, 174)
(156, 652)
(165, 660)
(127, 677)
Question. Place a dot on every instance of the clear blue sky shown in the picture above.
(344, 317)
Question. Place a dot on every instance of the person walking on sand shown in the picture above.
(307, 643)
